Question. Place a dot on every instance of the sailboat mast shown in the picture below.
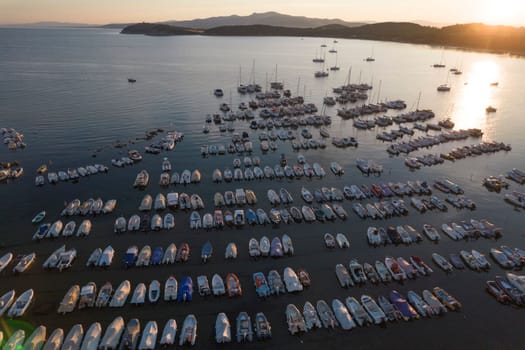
(379, 91)
(418, 99)
(298, 84)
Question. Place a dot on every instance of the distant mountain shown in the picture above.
(49, 24)
(265, 18)
(475, 36)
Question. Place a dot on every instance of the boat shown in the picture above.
(395, 270)
(84, 229)
(203, 286)
(88, 294)
(121, 294)
(134, 223)
(92, 337)
(343, 276)
(69, 302)
(328, 319)
(442, 262)
(342, 315)
(104, 295)
(233, 285)
(23, 262)
(359, 315)
(501, 258)
(383, 272)
(39, 217)
(54, 342)
(263, 330)
(73, 339)
(435, 305)
(409, 270)
(371, 274)
(431, 233)
(112, 335)
(291, 281)
(185, 292)
(142, 180)
(276, 248)
(244, 328)
(206, 252)
(421, 267)
(295, 320)
(55, 229)
(261, 285)
(446, 299)
(188, 333)
(342, 241)
(143, 258)
(420, 305)
(218, 287)
(356, 271)
(106, 257)
(6, 301)
(149, 336)
(407, 311)
(183, 254)
(276, 283)
(497, 292)
(222, 329)
(169, 333)
(517, 281)
(375, 312)
(514, 293)
(481, 260)
(154, 291)
(131, 335)
(195, 220)
(53, 259)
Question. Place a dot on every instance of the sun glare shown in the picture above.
(503, 12)
(476, 95)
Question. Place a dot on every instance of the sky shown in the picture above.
(505, 12)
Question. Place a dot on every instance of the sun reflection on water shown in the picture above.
(475, 96)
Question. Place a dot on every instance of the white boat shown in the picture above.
(170, 289)
(106, 258)
(342, 241)
(449, 231)
(431, 232)
(5, 301)
(92, 337)
(139, 295)
(231, 251)
(154, 291)
(134, 223)
(342, 315)
(359, 315)
(222, 329)
(217, 285)
(94, 257)
(382, 271)
(121, 294)
(88, 294)
(264, 246)
(295, 320)
(69, 302)
(310, 316)
(15, 341)
(69, 229)
(54, 342)
(36, 339)
(104, 295)
(146, 203)
(169, 333)
(172, 199)
(52, 261)
(442, 262)
(24, 263)
(111, 338)
(433, 302)
(84, 229)
(195, 220)
(287, 245)
(168, 221)
(144, 256)
(156, 222)
(370, 305)
(291, 281)
(5, 260)
(131, 335)
(170, 254)
(55, 229)
(149, 336)
(481, 259)
(109, 206)
(73, 339)
(188, 333)
(160, 202)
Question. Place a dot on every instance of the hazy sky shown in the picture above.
(511, 12)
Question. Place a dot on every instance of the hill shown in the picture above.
(156, 29)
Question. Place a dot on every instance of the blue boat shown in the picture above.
(185, 289)
(403, 306)
(206, 252)
(251, 217)
(261, 285)
(130, 257)
(276, 247)
(156, 257)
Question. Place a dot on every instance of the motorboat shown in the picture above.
(53, 259)
(88, 294)
(185, 292)
(233, 285)
(130, 337)
(23, 262)
(149, 336)
(104, 295)
(431, 233)
(262, 327)
(276, 283)
(343, 276)
(134, 223)
(295, 320)
(217, 284)
(73, 339)
(188, 333)
(359, 315)
(160, 202)
(375, 312)
(481, 259)
(112, 335)
(203, 286)
(69, 302)
(169, 333)
(395, 270)
(183, 254)
(144, 256)
(244, 328)
(442, 262)
(261, 285)
(84, 229)
(310, 316)
(356, 271)
(431, 300)
(383, 272)
(39, 217)
(276, 248)
(154, 291)
(328, 319)
(121, 294)
(222, 329)
(291, 281)
(170, 254)
(446, 299)
(54, 342)
(142, 179)
(15, 341)
(195, 220)
(407, 311)
(6, 301)
(371, 273)
(420, 305)
(106, 257)
(342, 315)
(409, 270)
(231, 251)
(501, 258)
(420, 265)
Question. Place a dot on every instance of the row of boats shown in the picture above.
(12, 138)
(425, 141)
(14, 307)
(516, 198)
(185, 178)
(509, 289)
(407, 234)
(505, 256)
(11, 173)
(399, 269)
(22, 262)
(54, 230)
(268, 172)
(118, 336)
(73, 174)
(352, 313)
(90, 206)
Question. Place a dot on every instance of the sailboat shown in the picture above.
(242, 89)
(277, 85)
(335, 67)
(333, 50)
(317, 59)
(321, 73)
(444, 87)
(440, 64)
(371, 57)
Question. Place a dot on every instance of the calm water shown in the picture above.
(66, 90)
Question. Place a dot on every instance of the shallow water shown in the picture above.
(66, 90)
